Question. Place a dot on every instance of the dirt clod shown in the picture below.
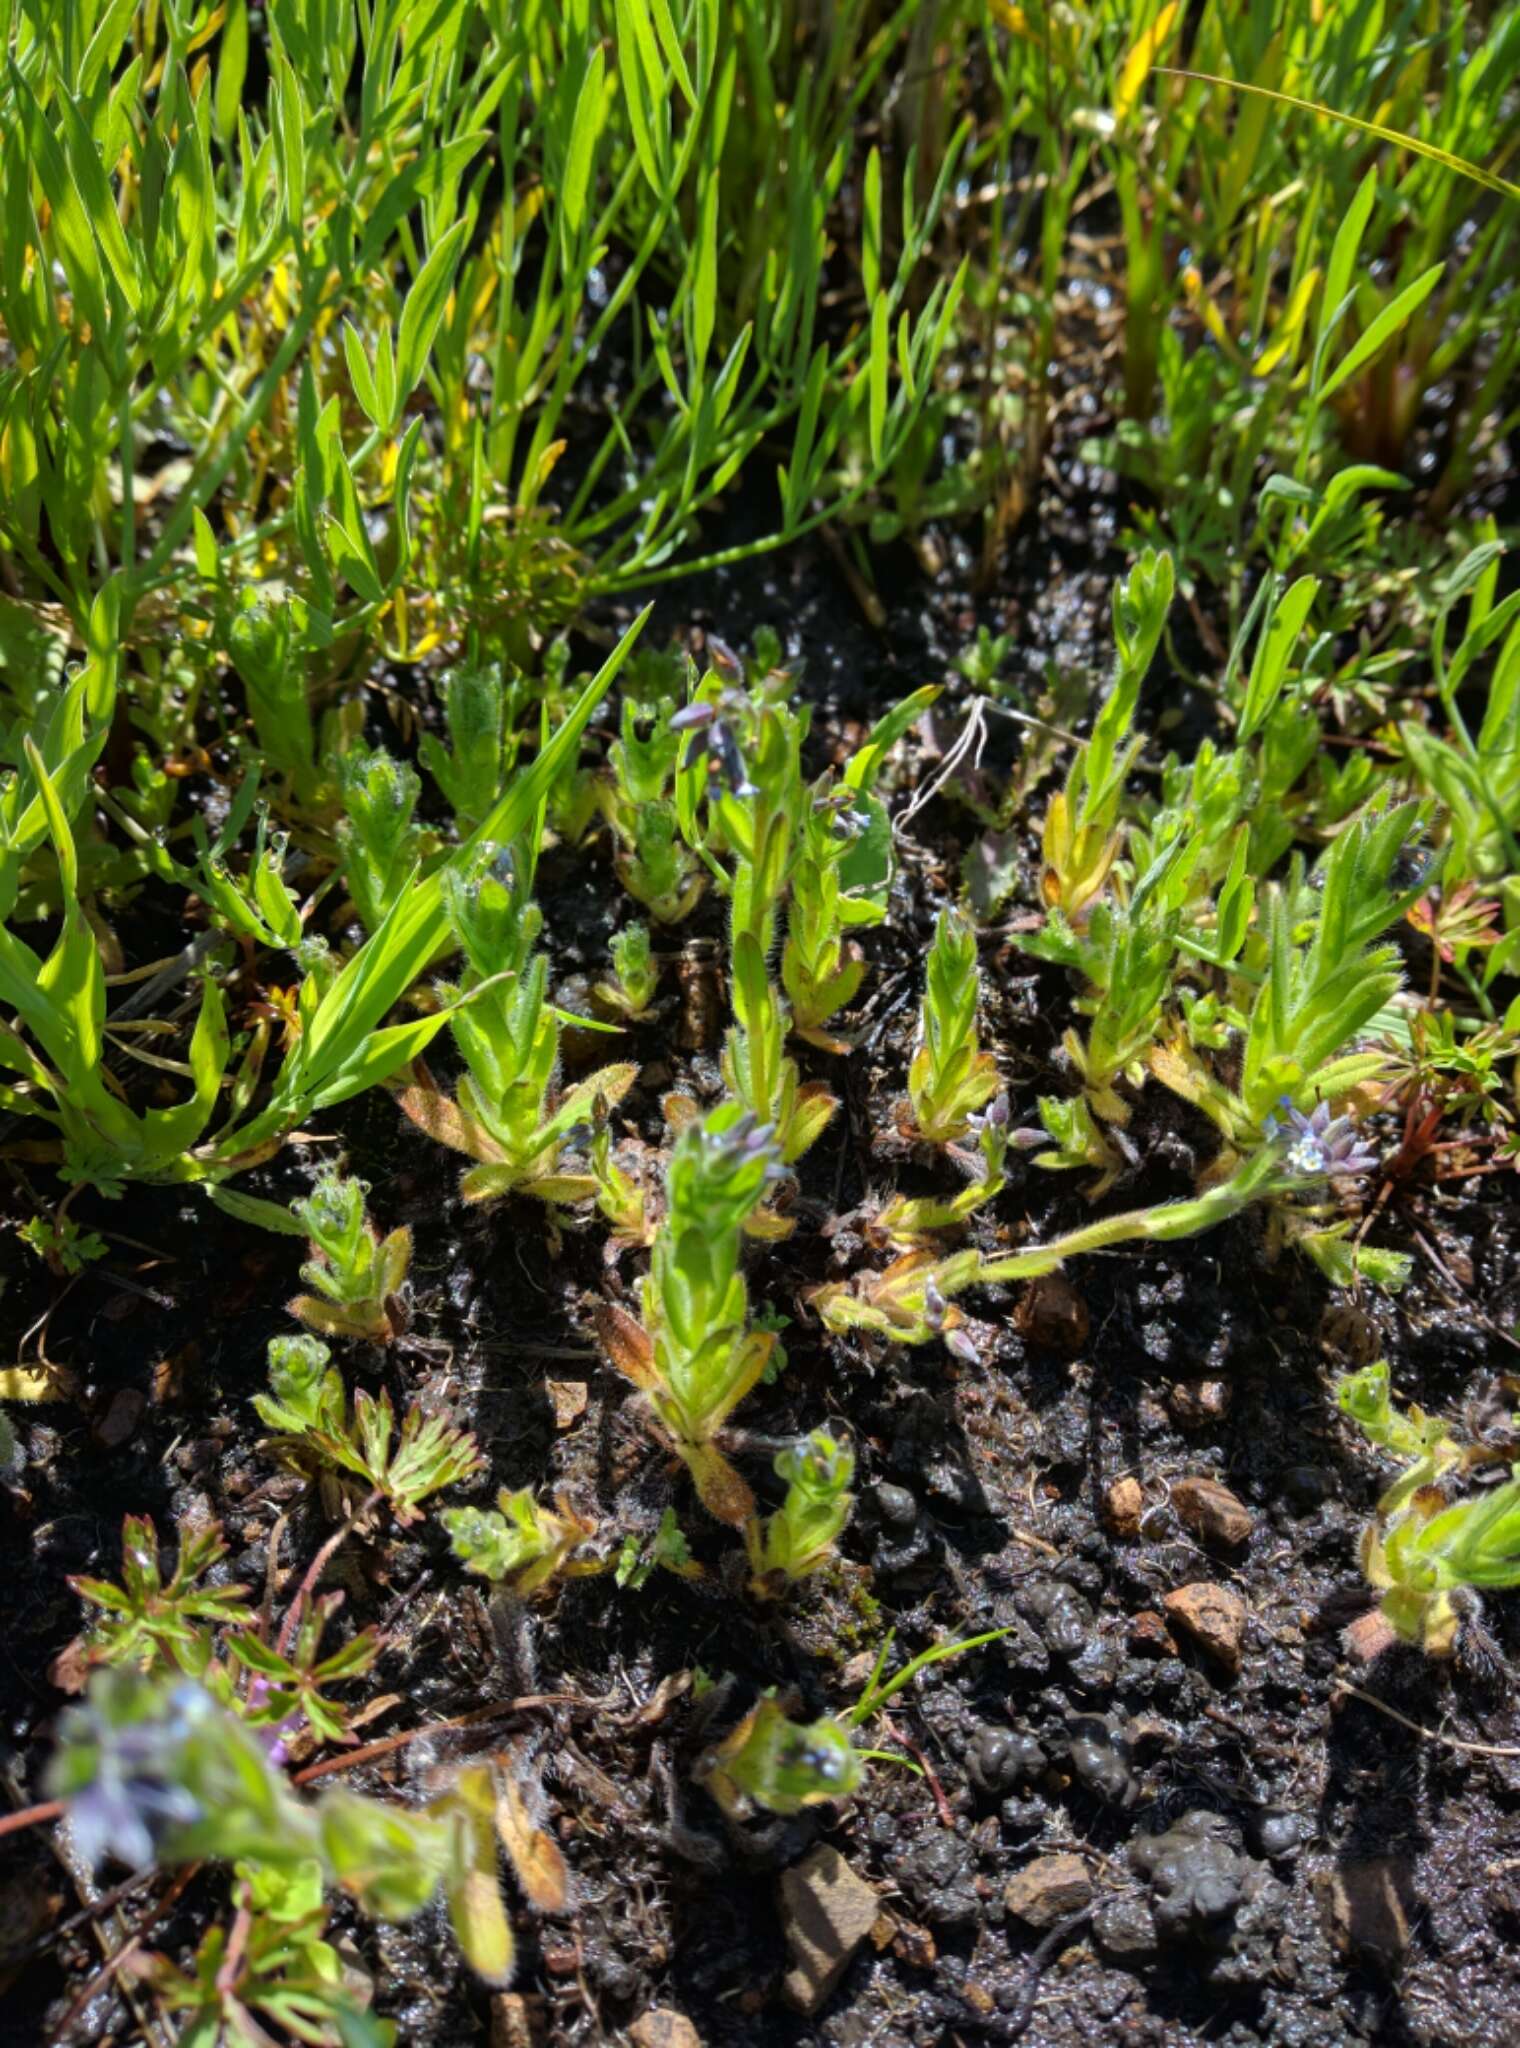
(1149, 1636)
(1052, 1315)
(827, 1911)
(119, 1423)
(1212, 1617)
(1212, 1512)
(1194, 1404)
(1048, 1890)
(1365, 1639)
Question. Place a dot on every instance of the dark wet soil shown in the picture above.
(1091, 1728)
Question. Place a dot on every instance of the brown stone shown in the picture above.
(1212, 1512)
(1365, 1639)
(662, 2028)
(119, 1423)
(1194, 1404)
(827, 1911)
(1048, 1891)
(1213, 1617)
(915, 1946)
(1052, 1315)
(1123, 1505)
(516, 2021)
(568, 1400)
(1367, 1913)
(1149, 1636)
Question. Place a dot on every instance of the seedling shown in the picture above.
(635, 976)
(950, 1077)
(799, 1537)
(780, 1765)
(520, 1543)
(480, 713)
(666, 1550)
(821, 970)
(692, 1352)
(317, 1432)
(760, 1075)
(151, 1623)
(913, 1222)
(380, 843)
(288, 1689)
(1428, 1557)
(508, 1113)
(61, 1243)
(357, 1278)
(1081, 841)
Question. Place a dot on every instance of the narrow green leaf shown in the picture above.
(424, 309)
(705, 277)
(1394, 316)
(585, 129)
(870, 249)
(880, 351)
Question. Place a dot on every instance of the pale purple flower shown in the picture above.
(1319, 1146)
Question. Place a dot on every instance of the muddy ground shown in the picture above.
(1325, 1873)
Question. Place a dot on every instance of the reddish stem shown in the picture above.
(31, 1816)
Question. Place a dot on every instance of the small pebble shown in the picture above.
(1212, 1617)
(1123, 1505)
(895, 1504)
(1212, 1512)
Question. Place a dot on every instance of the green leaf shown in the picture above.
(1338, 274)
(1393, 317)
(424, 309)
(361, 376)
(870, 248)
(585, 128)
(1274, 650)
(881, 345)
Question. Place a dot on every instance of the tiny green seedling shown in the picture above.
(520, 1543)
(780, 1765)
(692, 1351)
(507, 1113)
(950, 1077)
(635, 975)
(1427, 1556)
(799, 1538)
(356, 1277)
(317, 1433)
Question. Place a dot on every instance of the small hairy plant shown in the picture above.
(472, 770)
(1081, 840)
(759, 1073)
(840, 877)
(800, 1536)
(692, 1351)
(507, 1113)
(520, 1543)
(380, 842)
(1430, 1557)
(149, 1621)
(780, 1765)
(317, 1431)
(950, 1077)
(635, 977)
(357, 1278)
